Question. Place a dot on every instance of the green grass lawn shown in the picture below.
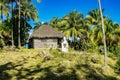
(29, 64)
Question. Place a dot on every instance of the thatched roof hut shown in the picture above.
(46, 37)
(46, 31)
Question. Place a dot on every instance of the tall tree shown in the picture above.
(19, 13)
(28, 12)
(73, 26)
(104, 38)
(19, 4)
(12, 1)
(112, 35)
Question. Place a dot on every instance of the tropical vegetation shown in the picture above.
(86, 35)
(16, 25)
(83, 32)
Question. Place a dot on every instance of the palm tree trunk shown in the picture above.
(104, 38)
(1, 13)
(12, 27)
(19, 43)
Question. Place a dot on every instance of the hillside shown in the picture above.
(53, 65)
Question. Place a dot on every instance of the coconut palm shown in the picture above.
(112, 34)
(94, 16)
(25, 13)
(95, 35)
(18, 4)
(37, 25)
(19, 15)
(54, 22)
(12, 22)
(73, 24)
(28, 12)
(4, 9)
(103, 31)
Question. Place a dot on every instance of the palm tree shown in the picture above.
(4, 9)
(54, 22)
(12, 1)
(37, 25)
(19, 13)
(4, 6)
(112, 35)
(104, 38)
(72, 24)
(19, 4)
(95, 35)
(94, 17)
(29, 12)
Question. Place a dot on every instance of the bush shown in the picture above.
(100, 49)
(1, 43)
(118, 65)
(115, 49)
(110, 55)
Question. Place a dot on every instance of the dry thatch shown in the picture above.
(46, 31)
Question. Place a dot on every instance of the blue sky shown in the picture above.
(49, 8)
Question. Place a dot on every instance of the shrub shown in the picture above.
(117, 50)
(111, 55)
(1, 43)
(114, 49)
(118, 64)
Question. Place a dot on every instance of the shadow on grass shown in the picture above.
(30, 73)
(17, 71)
(93, 74)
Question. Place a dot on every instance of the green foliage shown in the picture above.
(1, 43)
(89, 31)
(111, 55)
(10, 26)
(37, 25)
(74, 24)
(118, 65)
(117, 50)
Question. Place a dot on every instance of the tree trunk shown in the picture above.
(19, 42)
(1, 13)
(12, 27)
(104, 38)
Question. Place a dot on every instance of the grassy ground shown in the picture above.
(28, 64)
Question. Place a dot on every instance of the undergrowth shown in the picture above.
(30, 64)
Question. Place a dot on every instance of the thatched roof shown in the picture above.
(46, 31)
